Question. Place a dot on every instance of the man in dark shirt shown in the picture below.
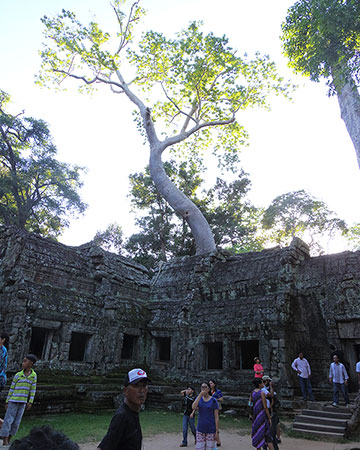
(124, 431)
(189, 414)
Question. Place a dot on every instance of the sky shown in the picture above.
(302, 144)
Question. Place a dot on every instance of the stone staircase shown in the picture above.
(323, 419)
(328, 422)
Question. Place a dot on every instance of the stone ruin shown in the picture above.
(88, 311)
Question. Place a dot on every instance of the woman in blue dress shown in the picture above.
(208, 424)
(4, 344)
(216, 393)
(261, 422)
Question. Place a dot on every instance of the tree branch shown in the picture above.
(189, 117)
(182, 136)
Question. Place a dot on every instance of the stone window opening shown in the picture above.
(40, 343)
(213, 355)
(245, 352)
(80, 346)
(163, 346)
(129, 347)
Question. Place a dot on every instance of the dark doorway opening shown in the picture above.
(245, 352)
(78, 346)
(214, 355)
(163, 348)
(129, 346)
(40, 342)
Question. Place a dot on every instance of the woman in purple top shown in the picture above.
(208, 424)
(216, 393)
(261, 422)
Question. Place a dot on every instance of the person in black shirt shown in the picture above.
(124, 431)
(189, 414)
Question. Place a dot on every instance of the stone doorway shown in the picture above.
(352, 356)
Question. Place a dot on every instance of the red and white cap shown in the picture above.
(136, 375)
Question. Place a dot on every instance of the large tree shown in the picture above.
(300, 214)
(321, 38)
(186, 89)
(37, 192)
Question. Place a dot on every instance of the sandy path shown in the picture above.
(231, 440)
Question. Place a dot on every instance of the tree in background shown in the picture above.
(235, 222)
(321, 38)
(163, 234)
(111, 239)
(187, 91)
(353, 236)
(37, 192)
(301, 215)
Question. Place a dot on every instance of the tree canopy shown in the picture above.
(353, 236)
(37, 192)
(111, 239)
(301, 215)
(187, 90)
(321, 38)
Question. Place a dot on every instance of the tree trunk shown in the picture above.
(354, 422)
(349, 101)
(200, 229)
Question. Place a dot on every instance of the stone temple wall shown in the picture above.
(70, 294)
(89, 311)
(239, 306)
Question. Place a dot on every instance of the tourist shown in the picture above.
(358, 374)
(258, 368)
(339, 379)
(208, 424)
(4, 346)
(216, 393)
(189, 414)
(21, 395)
(124, 431)
(44, 438)
(271, 402)
(261, 432)
(302, 367)
(267, 389)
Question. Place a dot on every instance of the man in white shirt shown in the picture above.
(339, 379)
(358, 373)
(302, 367)
(268, 390)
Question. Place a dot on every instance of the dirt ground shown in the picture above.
(231, 440)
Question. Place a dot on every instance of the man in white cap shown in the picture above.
(124, 431)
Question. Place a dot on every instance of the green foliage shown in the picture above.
(353, 236)
(299, 214)
(76, 49)
(194, 84)
(37, 192)
(321, 38)
(111, 239)
(164, 235)
(234, 221)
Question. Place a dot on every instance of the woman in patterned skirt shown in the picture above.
(260, 433)
(207, 430)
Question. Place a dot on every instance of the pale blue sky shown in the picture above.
(298, 145)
